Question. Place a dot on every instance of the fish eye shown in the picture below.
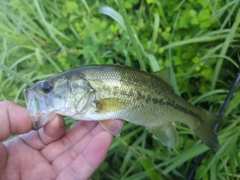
(47, 87)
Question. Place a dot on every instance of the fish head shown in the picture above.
(66, 95)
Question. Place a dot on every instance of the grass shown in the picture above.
(198, 40)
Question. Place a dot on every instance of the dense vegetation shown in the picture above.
(197, 39)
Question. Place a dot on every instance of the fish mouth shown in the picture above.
(39, 117)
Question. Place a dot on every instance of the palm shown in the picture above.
(50, 153)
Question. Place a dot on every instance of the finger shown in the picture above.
(72, 137)
(3, 157)
(14, 119)
(69, 156)
(54, 130)
(85, 164)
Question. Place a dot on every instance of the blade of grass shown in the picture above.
(213, 170)
(234, 104)
(130, 170)
(4, 56)
(91, 33)
(125, 163)
(21, 60)
(43, 52)
(133, 150)
(16, 75)
(226, 44)
(232, 6)
(223, 109)
(53, 8)
(94, 57)
(208, 56)
(161, 13)
(113, 14)
(130, 33)
(185, 156)
(117, 17)
(204, 97)
(152, 62)
(139, 176)
(224, 150)
(147, 165)
(86, 6)
(24, 21)
(202, 39)
(47, 25)
(151, 58)
(172, 77)
(155, 31)
(20, 90)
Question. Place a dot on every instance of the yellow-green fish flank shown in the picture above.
(108, 92)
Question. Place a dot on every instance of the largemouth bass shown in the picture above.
(108, 92)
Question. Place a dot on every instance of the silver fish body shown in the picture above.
(105, 93)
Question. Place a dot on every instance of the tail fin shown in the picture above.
(206, 130)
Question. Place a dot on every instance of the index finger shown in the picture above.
(14, 119)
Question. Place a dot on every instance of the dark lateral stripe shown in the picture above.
(168, 102)
(185, 110)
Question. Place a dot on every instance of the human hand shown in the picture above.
(50, 152)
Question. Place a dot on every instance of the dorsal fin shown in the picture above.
(164, 74)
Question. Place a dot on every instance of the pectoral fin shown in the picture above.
(166, 134)
(112, 126)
